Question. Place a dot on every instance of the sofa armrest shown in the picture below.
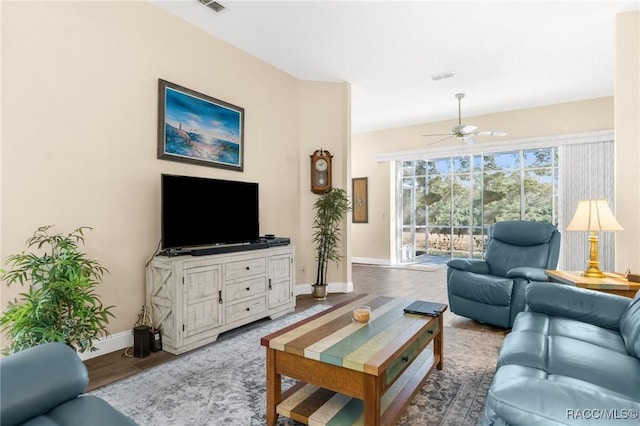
(533, 401)
(529, 273)
(469, 265)
(38, 379)
(594, 307)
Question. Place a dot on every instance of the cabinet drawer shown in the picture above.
(426, 337)
(246, 309)
(245, 268)
(399, 364)
(247, 288)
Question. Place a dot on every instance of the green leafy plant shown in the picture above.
(61, 304)
(329, 209)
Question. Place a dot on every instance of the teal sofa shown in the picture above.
(44, 385)
(573, 357)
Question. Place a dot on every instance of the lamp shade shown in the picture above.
(593, 215)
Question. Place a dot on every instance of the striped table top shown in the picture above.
(333, 337)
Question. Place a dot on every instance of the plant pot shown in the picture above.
(319, 292)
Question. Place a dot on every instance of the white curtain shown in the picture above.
(586, 172)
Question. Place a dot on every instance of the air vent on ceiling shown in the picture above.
(213, 5)
(442, 76)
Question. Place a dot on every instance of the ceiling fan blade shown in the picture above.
(468, 129)
(491, 133)
(469, 140)
(438, 134)
(440, 140)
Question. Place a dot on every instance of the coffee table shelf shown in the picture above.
(313, 405)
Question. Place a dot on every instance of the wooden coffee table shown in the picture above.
(350, 372)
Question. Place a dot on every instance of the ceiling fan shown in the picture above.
(464, 132)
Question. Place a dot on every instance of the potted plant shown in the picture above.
(329, 209)
(61, 304)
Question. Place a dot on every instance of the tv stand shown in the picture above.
(195, 298)
(231, 248)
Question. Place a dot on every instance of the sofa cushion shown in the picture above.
(92, 410)
(502, 257)
(40, 421)
(558, 326)
(630, 326)
(487, 289)
(523, 233)
(581, 304)
(533, 399)
(470, 265)
(48, 384)
(586, 354)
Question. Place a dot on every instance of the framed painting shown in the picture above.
(360, 200)
(198, 129)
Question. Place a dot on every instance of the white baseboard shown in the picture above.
(332, 288)
(111, 343)
(371, 261)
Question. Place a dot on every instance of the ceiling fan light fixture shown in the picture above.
(465, 132)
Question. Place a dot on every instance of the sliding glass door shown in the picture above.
(449, 203)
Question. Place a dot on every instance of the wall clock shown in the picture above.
(321, 171)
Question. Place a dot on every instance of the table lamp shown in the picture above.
(593, 215)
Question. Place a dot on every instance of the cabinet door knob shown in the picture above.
(248, 268)
(248, 309)
(248, 288)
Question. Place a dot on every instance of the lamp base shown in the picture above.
(593, 272)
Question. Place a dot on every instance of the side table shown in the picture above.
(612, 283)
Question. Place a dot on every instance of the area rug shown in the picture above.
(223, 383)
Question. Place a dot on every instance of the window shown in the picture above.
(449, 203)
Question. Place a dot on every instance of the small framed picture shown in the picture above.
(360, 200)
(198, 129)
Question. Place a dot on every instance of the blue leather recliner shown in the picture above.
(44, 385)
(492, 290)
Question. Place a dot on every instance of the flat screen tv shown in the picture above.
(199, 212)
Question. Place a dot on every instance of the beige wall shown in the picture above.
(372, 241)
(627, 131)
(325, 111)
(79, 117)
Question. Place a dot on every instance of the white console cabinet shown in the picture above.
(195, 298)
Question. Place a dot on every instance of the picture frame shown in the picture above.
(359, 190)
(199, 129)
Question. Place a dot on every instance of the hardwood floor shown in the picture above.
(425, 283)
